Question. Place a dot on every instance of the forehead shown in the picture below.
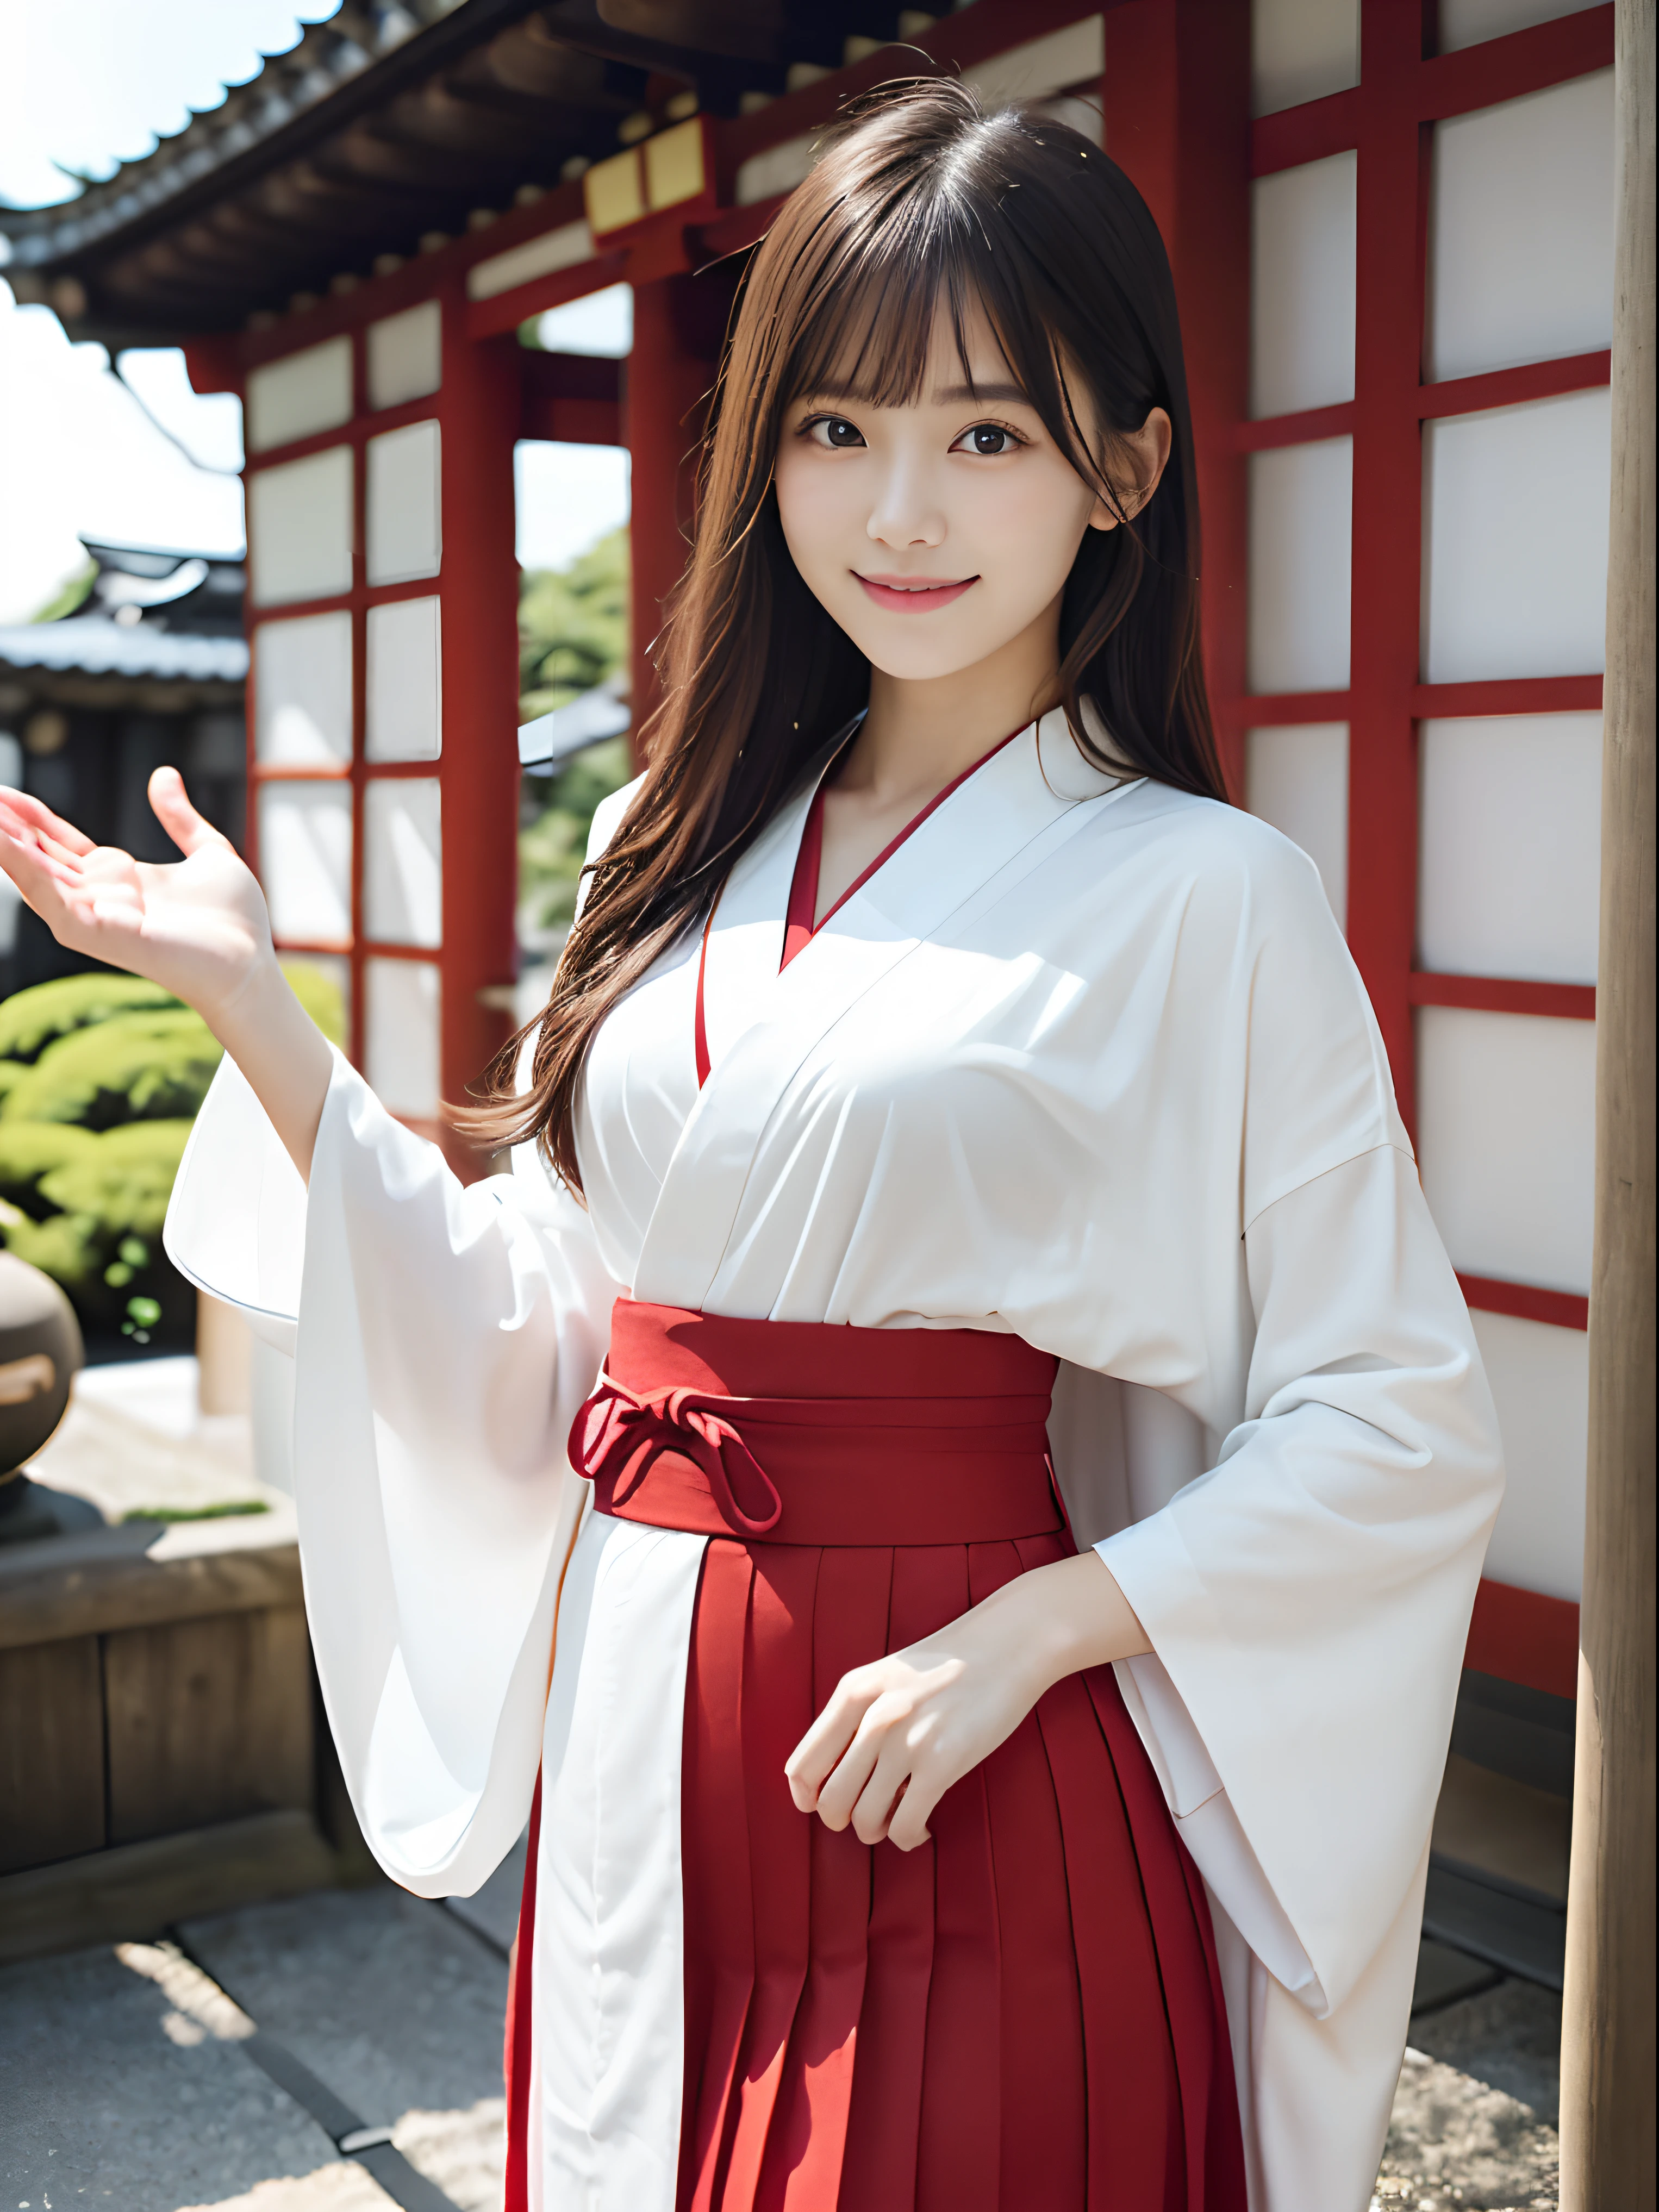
(902, 345)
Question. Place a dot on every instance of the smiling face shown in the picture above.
(935, 534)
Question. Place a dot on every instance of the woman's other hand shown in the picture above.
(197, 925)
(896, 1733)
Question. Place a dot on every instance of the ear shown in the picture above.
(1148, 452)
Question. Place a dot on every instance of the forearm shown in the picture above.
(1063, 1619)
(280, 1051)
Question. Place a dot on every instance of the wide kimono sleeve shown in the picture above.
(1306, 1597)
(443, 1337)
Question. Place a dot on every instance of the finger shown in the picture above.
(37, 874)
(60, 900)
(838, 1798)
(907, 1828)
(170, 803)
(816, 1754)
(874, 1811)
(36, 839)
(41, 820)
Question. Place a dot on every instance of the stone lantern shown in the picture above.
(40, 1351)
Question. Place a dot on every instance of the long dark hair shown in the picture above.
(922, 202)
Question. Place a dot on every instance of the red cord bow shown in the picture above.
(618, 1435)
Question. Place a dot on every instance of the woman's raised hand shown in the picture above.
(196, 926)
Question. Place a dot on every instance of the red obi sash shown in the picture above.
(797, 1432)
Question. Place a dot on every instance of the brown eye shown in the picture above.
(837, 432)
(988, 439)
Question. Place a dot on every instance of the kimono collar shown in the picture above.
(992, 830)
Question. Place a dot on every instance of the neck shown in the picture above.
(920, 733)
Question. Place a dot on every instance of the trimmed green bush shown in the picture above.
(64, 1247)
(31, 1020)
(155, 1065)
(122, 1181)
(100, 1076)
(93, 1217)
(30, 1150)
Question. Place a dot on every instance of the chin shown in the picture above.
(920, 661)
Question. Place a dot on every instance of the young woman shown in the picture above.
(939, 1075)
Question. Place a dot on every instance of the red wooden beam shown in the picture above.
(1514, 695)
(477, 406)
(1523, 1637)
(1301, 429)
(1463, 395)
(505, 311)
(1510, 387)
(1517, 695)
(1264, 710)
(1305, 133)
(670, 377)
(1525, 1301)
(735, 230)
(1525, 61)
(571, 399)
(1388, 479)
(363, 426)
(1175, 103)
(1504, 994)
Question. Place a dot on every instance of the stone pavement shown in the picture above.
(126, 2080)
(1476, 2114)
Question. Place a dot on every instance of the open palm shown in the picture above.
(198, 926)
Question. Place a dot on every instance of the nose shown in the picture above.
(907, 511)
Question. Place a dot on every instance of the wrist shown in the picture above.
(259, 994)
(1080, 1618)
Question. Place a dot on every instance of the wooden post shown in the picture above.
(1608, 2147)
(477, 407)
(667, 384)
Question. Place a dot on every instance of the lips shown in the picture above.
(912, 595)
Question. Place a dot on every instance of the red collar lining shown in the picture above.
(798, 926)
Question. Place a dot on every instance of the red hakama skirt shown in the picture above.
(1024, 2014)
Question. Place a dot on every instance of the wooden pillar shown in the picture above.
(478, 410)
(1175, 98)
(669, 376)
(1608, 2147)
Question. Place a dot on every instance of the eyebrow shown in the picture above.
(1001, 395)
(950, 395)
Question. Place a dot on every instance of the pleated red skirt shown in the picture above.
(1024, 2014)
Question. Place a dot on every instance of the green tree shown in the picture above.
(573, 635)
(573, 626)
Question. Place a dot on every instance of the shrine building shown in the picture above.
(1392, 231)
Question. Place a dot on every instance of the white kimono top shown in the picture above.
(1087, 1060)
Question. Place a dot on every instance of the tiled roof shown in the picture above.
(94, 645)
(393, 123)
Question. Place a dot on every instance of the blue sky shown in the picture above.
(84, 84)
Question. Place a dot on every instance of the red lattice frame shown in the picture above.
(1389, 117)
(478, 409)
